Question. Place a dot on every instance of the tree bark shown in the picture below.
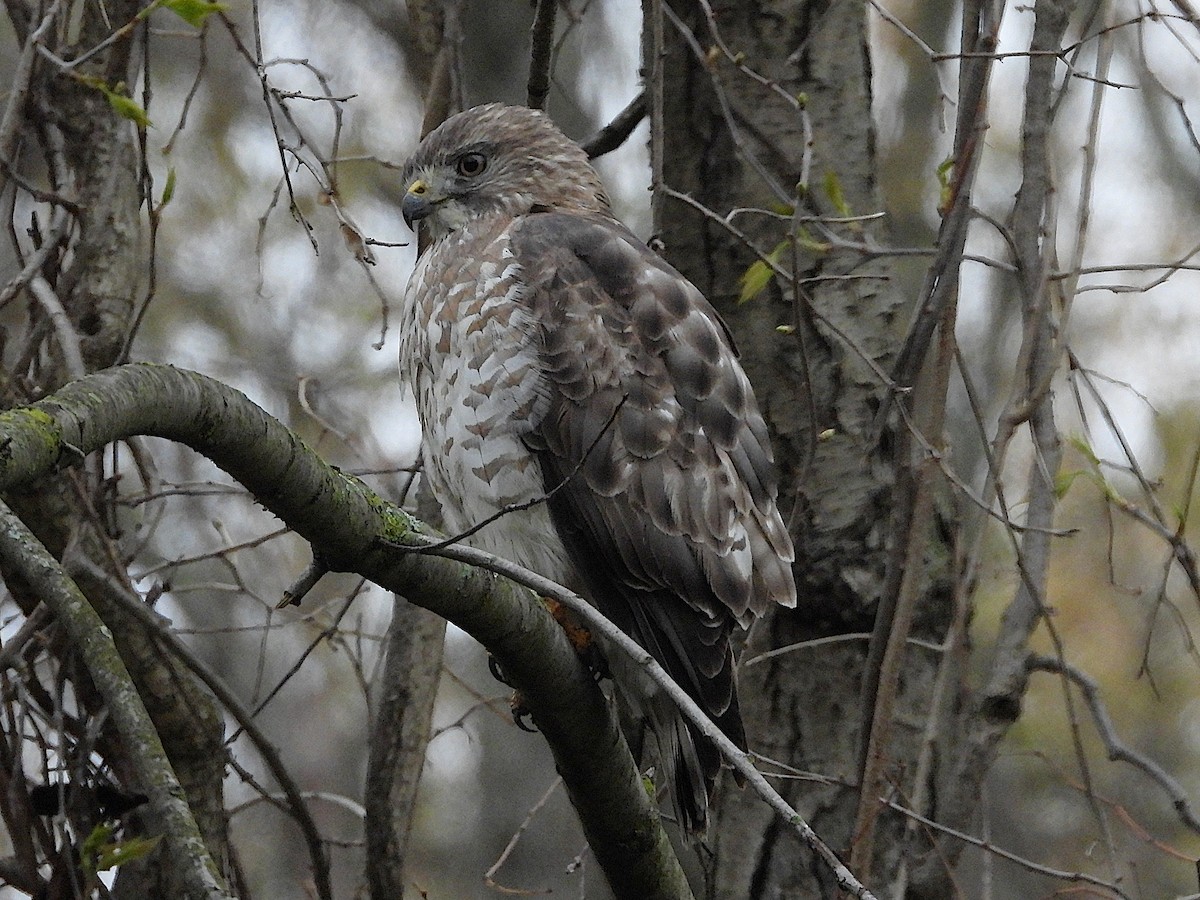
(734, 141)
(402, 711)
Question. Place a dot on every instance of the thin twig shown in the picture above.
(540, 54)
(489, 877)
(68, 339)
(14, 110)
(523, 505)
(51, 240)
(1117, 749)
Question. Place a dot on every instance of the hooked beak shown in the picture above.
(418, 203)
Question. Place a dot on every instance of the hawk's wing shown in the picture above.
(668, 507)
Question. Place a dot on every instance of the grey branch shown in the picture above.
(616, 132)
(191, 864)
(541, 54)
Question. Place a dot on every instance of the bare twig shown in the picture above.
(616, 132)
(1117, 749)
(980, 33)
(489, 877)
(18, 90)
(540, 54)
(653, 51)
(68, 339)
(51, 242)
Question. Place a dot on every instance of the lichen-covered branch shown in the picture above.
(354, 529)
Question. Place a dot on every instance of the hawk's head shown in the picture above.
(497, 159)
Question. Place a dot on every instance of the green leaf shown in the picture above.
(194, 12)
(943, 171)
(122, 104)
(943, 176)
(759, 275)
(805, 240)
(754, 279)
(168, 188)
(833, 189)
(126, 108)
(1063, 482)
(648, 786)
(100, 853)
(93, 845)
(1085, 450)
(120, 853)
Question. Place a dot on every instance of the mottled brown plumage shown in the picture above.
(546, 344)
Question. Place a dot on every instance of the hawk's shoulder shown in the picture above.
(651, 421)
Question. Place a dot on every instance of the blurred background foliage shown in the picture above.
(246, 293)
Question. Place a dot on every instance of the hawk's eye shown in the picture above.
(471, 164)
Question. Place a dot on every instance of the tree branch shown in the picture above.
(1116, 748)
(402, 707)
(540, 54)
(616, 132)
(24, 555)
(356, 530)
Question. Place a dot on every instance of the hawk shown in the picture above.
(553, 355)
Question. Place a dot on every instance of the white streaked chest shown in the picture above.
(469, 351)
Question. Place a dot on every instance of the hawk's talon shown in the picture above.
(497, 671)
(521, 712)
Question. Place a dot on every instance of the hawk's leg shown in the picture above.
(520, 712)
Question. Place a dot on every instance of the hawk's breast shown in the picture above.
(469, 350)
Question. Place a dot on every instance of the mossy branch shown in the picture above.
(353, 529)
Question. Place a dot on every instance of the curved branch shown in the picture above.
(355, 530)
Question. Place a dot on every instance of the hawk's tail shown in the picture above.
(692, 762)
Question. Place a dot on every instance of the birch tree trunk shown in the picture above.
(816, 357)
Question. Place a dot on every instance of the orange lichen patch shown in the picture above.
(581, 639)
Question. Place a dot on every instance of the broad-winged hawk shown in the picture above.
(546, 344)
